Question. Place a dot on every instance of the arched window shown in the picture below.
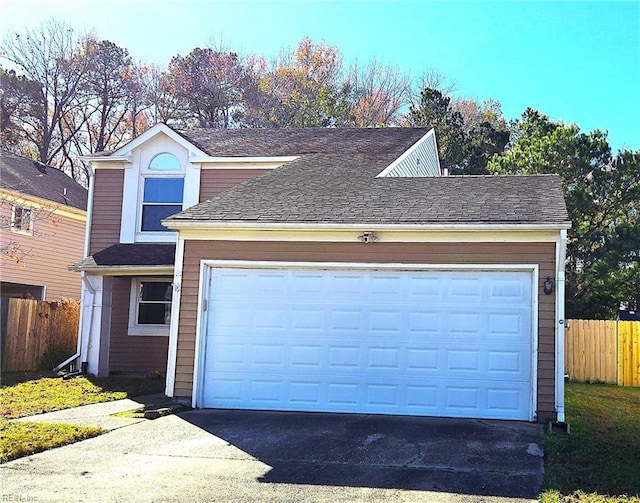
(165, 162)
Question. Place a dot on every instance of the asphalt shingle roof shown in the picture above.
(30, 177)
(135, 254)
(334, 181)
(374, 142)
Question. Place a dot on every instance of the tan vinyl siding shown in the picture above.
(216, 181)
(107, 209)
(48, 253)
(129, 353)
(421, 253)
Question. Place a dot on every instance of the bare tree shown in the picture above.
(164, 106)
(50, 56)
(432, 78)
(378, 94)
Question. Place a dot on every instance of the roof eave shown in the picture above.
(124, 270)
(178, 225)
(242, 159)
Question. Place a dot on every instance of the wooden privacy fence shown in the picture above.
(36, 329)
(603, 351)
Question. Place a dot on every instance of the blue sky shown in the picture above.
(574, 61)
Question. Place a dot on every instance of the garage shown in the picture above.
(359, 338)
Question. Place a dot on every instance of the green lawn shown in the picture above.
(26, 394)
(22, 438)
(600, 460)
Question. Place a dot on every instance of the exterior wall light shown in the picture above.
(548, 286)
(368, 237)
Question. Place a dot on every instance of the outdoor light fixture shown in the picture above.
(368, 237)
(548, 286)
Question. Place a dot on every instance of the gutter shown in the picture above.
(179, 224)
(83, 342)
(85, 281)
(124, 270)
(560, 324)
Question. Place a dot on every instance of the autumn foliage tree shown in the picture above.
(299, 90)
(208, 85)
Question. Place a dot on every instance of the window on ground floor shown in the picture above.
(150, 306)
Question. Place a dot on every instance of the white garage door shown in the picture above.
(369, 341)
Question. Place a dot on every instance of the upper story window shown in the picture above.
(165, 162)
(163, 192)
(22, 220)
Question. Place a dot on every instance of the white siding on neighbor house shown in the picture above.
(419, 161)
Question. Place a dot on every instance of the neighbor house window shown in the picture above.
(150, 306)
(22, 220)
(162, 193)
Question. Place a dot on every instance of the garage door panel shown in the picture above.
(371, 356)
(348, 394)
(421, 343)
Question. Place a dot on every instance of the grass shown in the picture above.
(22, 438)
(600, 461)
(25, 394)
(46, 394)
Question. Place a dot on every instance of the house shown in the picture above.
(325, 270)
(42, 215)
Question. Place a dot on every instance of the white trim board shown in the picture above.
(384, 236)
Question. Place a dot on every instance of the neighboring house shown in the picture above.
(43, 215)
(325, 270)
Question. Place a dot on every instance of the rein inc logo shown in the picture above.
(19, 497)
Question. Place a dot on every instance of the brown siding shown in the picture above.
(215, 181)
(426, 253)
(107, 209)
(50, 250)
(131, 353)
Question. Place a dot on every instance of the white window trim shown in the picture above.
(155, 236)
(134, 174)
(146, 172)
(144, 330)
(19, 230)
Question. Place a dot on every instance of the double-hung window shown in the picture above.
(150, 307)
(22, 220)
(163, 192)
(162, 198)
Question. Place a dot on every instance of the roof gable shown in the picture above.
(149, 134)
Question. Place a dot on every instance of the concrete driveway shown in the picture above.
(236, 456)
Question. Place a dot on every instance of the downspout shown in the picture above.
(560, 323)
(87, 232)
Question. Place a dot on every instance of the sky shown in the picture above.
(578, 62)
